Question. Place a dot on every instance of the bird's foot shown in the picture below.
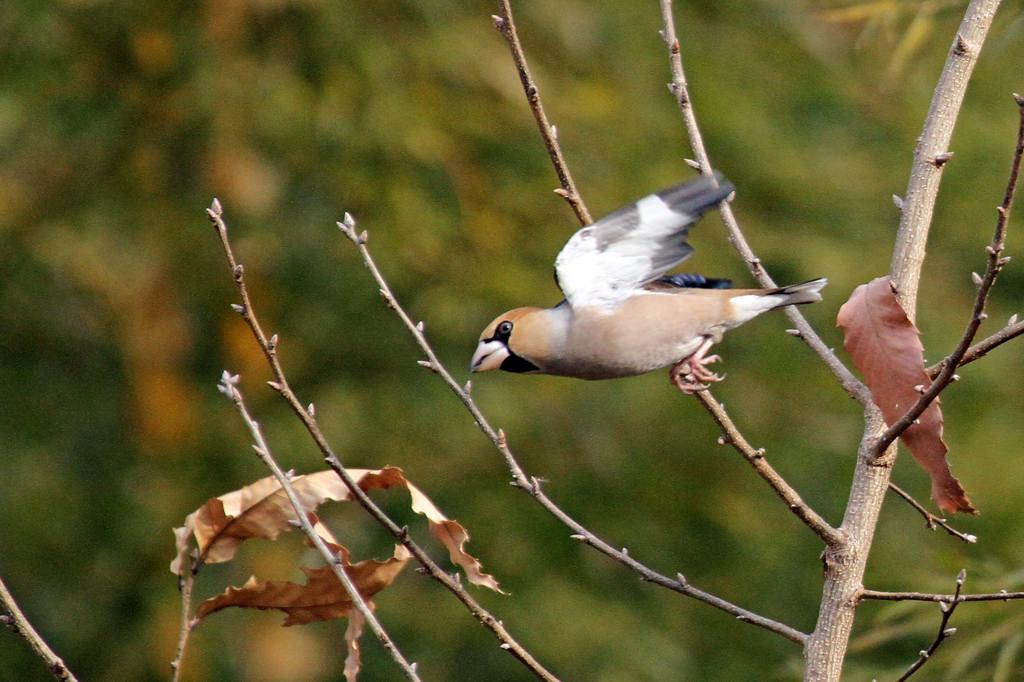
(691, 375)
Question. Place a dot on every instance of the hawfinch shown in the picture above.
(621, 315)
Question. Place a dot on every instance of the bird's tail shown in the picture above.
(795, 294)
(750, 305)
(807, 292)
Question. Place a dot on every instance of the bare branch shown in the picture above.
(531, 485)
(931, 520)
(925, 175)
(507, 26)
(678, 87)
(185, 585)
(982, 348)
(755, 456)
(844, 574)
(801, 509)
(944, 631)
(994, 265)
(308, 418)
(944, 598)
(229, 387)
(13, 618)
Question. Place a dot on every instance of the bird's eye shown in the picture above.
(504, 329)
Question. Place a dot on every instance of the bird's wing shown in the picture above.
(607, 262)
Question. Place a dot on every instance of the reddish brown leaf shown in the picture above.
(886, 347)
(322, 597)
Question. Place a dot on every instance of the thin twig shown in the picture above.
(269, 346)
(982, 348)
(506, 25)
(755, 456)
(853, 386)
(229, 387)
(13, 618)
(994, 265)
(531, 485)
(944, 631)
(931, 520)
(186, 582)
(881, 595)
(813, 520)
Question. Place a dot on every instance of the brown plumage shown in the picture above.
(631, 322)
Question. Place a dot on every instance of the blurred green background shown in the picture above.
(120, 121)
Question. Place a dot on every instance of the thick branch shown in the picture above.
(13, 618)
(528, 483)
(926, 171)
(308, 417)
(755, 456)
(850, 383)
(994, 265)
(507, 26)
(229, 387)
(844, 574)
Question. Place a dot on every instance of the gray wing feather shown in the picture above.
(604, 263)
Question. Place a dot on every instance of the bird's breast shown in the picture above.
(644, 333)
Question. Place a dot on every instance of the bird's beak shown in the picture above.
(489, 355)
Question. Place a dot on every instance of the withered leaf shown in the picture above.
(259, 510)
(454, 537)
(262, 510)
(322, 597)
(353, 632)
(886, 348)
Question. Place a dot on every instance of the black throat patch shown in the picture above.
(514, 363)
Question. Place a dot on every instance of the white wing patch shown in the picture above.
(607, 262)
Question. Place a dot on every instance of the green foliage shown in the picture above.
(120, 121)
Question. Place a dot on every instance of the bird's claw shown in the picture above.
(691, 376)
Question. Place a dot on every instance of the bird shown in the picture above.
(622, 315)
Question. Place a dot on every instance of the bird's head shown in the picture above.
(516, 341)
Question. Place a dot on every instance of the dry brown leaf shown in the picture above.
(453, 536)
(353, 632)
(259, 510)
(262, 510)
(886, 348)
(322, 597)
